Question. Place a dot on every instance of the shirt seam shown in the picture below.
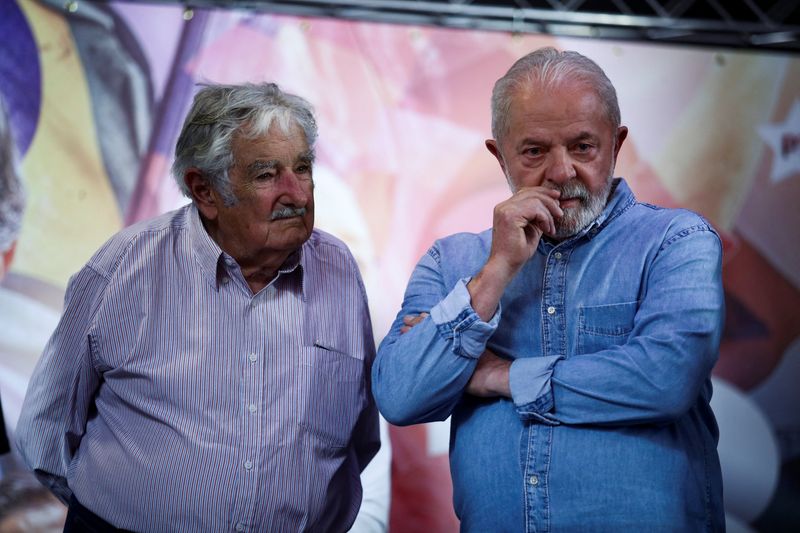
(685, 233)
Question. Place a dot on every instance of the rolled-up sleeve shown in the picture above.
(420, 376)
(531, 389)
(458, 322)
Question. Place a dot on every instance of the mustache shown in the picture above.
(572, 189)
(287, 212)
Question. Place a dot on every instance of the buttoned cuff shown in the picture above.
(531, 389)
(457, 321)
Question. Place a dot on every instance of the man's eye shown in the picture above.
(303, 169)
(266, 176)
(535, 151)
(583, 147)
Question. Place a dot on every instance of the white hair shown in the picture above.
(220, 111)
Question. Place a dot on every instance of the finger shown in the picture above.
(550, 201)
(411, 320)
(543, 221)
(533, 199)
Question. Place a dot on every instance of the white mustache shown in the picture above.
(287, 212)
(572, 189)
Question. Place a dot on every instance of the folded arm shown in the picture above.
(420, 375)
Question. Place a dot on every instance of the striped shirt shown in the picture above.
(170, 398)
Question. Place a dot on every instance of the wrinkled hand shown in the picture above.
(490, 378)
(409, 321)
(520, 222)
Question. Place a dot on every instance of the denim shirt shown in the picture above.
(613, 334)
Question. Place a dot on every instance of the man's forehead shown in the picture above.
(575, 109)
(567, 90)
(274, 140)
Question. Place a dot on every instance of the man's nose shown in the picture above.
(294, 190)
(560, 168)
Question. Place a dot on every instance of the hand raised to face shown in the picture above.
(519, 223)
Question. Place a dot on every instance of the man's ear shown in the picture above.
(491, 145)
(622, 134)
(204, 196)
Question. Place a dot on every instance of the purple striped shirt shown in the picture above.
(170, 398)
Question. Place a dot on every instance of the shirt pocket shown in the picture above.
(604, 326)
(329, 390)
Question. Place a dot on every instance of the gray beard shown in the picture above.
(577, 218)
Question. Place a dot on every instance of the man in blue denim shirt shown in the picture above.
(572, 344)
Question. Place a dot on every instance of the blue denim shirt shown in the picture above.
(612, 334)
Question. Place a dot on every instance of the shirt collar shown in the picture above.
(296, 262)
(207, 253)
(621, 198)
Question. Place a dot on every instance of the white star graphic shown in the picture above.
(784, 140)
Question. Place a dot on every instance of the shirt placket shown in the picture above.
(538, 443)
(249, 464)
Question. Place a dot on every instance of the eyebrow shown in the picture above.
(580, 136)
(259, 165)
(585, 135)
(307, 157)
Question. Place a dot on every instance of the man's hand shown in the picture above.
(490, 378)
(409, 321)
(519, 223)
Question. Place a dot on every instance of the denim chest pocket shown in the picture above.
(604, 326)
(329, 393)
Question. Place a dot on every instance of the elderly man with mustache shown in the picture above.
(572, 343)
(210, 370)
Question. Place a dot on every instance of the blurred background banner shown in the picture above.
(97, 93)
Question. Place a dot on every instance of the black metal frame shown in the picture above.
(749, 24)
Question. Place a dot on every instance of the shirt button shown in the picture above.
(225, 280)
(551, 310)
(239, 527)
(533, 480)
(252, 357)
(248, 465)
(252, 408)
(558, 255)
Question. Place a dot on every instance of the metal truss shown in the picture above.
(752, 24)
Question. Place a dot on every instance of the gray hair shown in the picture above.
(220, 111)
(547, 68)
(12, 192)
